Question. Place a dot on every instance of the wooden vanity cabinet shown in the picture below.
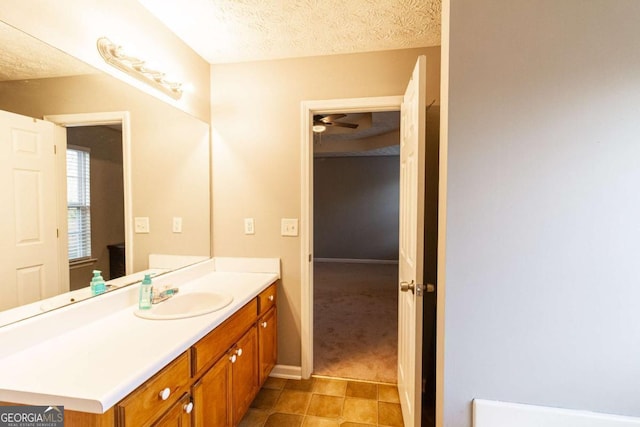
(179, 415)
(210, 385)
(267, 343)
(244, 374)
(267, 332)
(156, 395)
(225, 391)
(211, 396)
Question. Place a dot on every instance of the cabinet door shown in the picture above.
(212, 396)
(156, 395)
(267, 343)
(244, 376)
(179, 415)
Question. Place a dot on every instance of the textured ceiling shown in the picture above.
(248, 30)
(378, 134)
(24, 57)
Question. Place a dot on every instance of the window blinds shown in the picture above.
(78, 203)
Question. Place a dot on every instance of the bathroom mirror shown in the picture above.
(162, 178)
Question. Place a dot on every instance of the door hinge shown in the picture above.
(55, 149)
(57, 233)
(310, 257)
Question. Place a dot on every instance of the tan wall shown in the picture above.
(255, 116)
(75, 26)
(169, 155)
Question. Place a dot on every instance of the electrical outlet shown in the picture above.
(177, 224)
(249, 226)
(141, 224)
(289, 227)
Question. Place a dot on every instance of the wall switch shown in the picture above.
(141, 224)
(249, 226)
(177, 224)
(289, 227)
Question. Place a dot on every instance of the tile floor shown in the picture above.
(324, 402)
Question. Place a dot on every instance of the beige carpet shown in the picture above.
(356, 321)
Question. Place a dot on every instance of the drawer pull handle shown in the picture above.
(188, 407)
(233, 358)
(164, 394)
(239, 352)
(270, 298)
(264, 324)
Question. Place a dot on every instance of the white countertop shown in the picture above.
(91, 367)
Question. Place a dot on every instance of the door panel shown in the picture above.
(244, 375)
(410, 304)
(28, 219)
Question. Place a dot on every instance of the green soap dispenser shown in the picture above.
(144, 300)
(97, 283)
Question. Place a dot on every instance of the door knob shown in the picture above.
(419, 289)
(405, 287)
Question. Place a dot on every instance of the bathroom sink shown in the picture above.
(186, 305)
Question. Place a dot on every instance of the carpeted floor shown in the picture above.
(356, 321)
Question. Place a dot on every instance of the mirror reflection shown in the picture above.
(126, 192)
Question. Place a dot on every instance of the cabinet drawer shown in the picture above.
(146, 402)
(209, 349)
(267, 298)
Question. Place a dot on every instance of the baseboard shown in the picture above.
(488, 413)
(286, 371)
(357, 260)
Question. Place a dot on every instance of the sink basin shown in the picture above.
(186, 305)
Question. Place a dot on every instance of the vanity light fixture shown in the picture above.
(113, 55)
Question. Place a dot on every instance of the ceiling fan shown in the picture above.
(320, 122)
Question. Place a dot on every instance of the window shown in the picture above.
(78, 203)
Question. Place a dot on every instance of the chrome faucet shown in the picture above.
(164, 295)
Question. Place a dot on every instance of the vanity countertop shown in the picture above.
(93, 366)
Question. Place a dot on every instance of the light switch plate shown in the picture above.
(141, 224)
(249, 226)
(289, 227)
(177, 224)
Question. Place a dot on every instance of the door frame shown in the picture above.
(100, 119)
(308, 109)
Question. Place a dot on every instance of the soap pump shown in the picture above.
(97, 283)
(144, 300)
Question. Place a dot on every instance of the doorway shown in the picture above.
(95, 199)
(106, 126)
(431, 122)
(309, 109)
(356, 181)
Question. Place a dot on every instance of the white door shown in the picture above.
(28, 212)
(412, 161)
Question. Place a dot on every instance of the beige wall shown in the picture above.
(169, 155)
(75, 25)
(255, 116)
